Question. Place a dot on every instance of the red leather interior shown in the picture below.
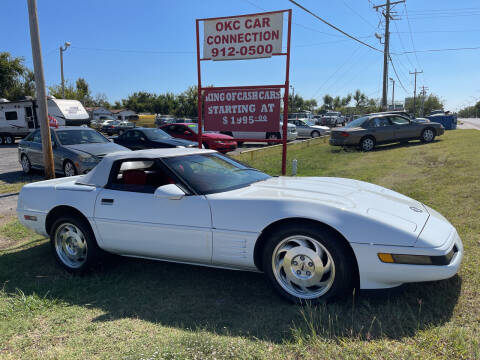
(134, 177)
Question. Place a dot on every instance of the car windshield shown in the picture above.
(310, 122)
(80, 136)
(194, 127)
(156, 134)
(357, 122)
(214, 173)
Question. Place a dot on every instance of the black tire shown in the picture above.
(315, 134)
(67, 171)
(343, 268)
(272, 136)
(120, 132)
(367, 143)
(92, 252)
(205, 145)
(2, 140)
(26, 164)
(428, 135)
(239, 143)
(9, 140)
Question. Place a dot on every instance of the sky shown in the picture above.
(121, 46)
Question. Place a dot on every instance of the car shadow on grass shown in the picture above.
(225, 302)
(411, 143)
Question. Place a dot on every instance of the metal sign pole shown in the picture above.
(199, 89)
(285, 102)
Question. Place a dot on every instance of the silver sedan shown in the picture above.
(307, 128)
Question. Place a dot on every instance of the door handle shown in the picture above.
(107, 201)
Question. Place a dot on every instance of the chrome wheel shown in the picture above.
(428, 135)
(70, 245)
(367, 144)
(303, 267)
(26, 166)
(69, 169)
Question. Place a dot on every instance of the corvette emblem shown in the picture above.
(416, 209)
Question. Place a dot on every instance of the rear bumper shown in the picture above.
(375, 274)
(339, 141)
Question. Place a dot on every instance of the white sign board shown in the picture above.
(244, 37)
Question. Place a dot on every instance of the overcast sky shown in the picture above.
(122, 46)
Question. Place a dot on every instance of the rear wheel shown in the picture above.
(9, 139)
(73, 244)
(2, 140)
(315, 134)
(307, 263)
(428, 135)
(367, 144)
(205, 145)
(272, 136)
(69, 169)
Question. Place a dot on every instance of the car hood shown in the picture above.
(217, 136)
(320, 127)
(95, 149)
(176, 142)
(365, 210)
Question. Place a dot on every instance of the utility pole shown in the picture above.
(415, 91)
(423, 94)
(66, 45)
(40, 90)
(386, 46)
(393, 93)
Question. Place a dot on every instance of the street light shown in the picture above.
(393, 93)
(62, 49)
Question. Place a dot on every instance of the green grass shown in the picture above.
(136, 309)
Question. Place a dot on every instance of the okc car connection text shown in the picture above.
(247, 37)
(242, 109)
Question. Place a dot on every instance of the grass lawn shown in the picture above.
(134, 309)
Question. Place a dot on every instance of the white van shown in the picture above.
(291, 134)
(18, 118)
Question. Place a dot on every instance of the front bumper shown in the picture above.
(375, 274)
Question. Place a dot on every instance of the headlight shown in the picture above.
(219, 141)
(85, 158)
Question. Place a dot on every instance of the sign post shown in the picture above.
(244, 108)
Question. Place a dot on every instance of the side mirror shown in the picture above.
(170, 191)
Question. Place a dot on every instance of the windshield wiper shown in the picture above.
(249, 168)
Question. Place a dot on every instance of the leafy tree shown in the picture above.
(327, 102)
(470, 111)
(16, 80)
(360, 99)
(187, 103)
(430, 103)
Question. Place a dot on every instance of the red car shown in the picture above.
(189, 131)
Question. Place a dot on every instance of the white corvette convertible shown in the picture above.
(313, 237)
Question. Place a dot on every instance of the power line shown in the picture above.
(334, 27)
(356, 13)
(411, 35)
(396, 75)
(134, 51)
(438, 50)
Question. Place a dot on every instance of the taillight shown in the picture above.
(344, 134)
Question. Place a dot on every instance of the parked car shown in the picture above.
(108, 125)
(371, 130)
(200, 207)
(148, 138)
(76, 150)
(307, 128)
(211, 140)
(291, 134)
(333, 119)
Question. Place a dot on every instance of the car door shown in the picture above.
(382, 129)
(34, 150)
(132, 221)
(302, 128)
(404, 128)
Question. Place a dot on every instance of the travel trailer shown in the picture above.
(18, 118)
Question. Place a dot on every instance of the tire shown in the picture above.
(272, 136)
(26, 164)
(2, 140)
(73, 244)
(239, 143)
(315, 134)
(9, 140)
(367, 143)
(428, 135)
(205, 145)
(120, 132)
(307, 264)
(69, 168)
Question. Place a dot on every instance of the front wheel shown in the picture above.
(26, 165)
(272, 136)
(428, 135)
(69, 169)
(315, 134)
(73, 244)
(307, 263)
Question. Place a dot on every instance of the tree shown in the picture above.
(430, 103)
(360, 98)
(327, 102)
(80, 92)
(16, 80)
(470, 111)
(187, 103)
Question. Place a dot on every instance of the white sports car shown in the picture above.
(313, 237)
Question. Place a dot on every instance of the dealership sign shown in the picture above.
(242, 109)
(243, 37)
